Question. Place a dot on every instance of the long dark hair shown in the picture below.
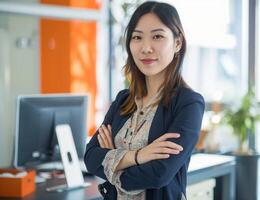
(137, 85)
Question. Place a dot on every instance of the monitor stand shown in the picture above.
(69, 157)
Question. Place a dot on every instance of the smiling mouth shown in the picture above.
(148, 61)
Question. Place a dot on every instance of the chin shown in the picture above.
(149, 70)
(149, 73)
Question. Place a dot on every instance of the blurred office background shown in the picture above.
(73, 46)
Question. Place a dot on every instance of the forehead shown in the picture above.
(150, 21)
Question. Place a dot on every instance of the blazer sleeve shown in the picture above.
(94, 154)
(159, 173)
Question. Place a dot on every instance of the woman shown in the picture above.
(144, 145)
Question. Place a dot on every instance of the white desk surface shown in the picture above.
(202, 160)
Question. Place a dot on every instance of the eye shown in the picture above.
(158, 37)
(136, 37)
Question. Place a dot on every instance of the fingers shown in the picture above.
(161, 156)
(164, 153)
(167, 136)
(110, 129)
(105, 136)
(166, 150)
(171, 145)
(107, 133)
(165, 147)
(101, 142)
(163, 143)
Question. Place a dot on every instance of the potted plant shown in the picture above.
(242, 119)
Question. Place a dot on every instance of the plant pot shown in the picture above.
(247, 177)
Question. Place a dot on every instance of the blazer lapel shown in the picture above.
(157, 126)
(118, 123)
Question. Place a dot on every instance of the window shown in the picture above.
(215, 56)
(216, 60)
(258, 50)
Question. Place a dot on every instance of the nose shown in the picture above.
(147, 47)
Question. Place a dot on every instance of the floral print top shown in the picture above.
(132, 136)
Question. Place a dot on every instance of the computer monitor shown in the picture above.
(36, 118)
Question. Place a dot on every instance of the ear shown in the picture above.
(178, 44)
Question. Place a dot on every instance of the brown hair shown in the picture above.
(137, 85)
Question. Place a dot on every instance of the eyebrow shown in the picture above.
(154, 30)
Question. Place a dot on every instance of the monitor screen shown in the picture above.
(36, 118)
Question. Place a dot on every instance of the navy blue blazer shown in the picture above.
(163, 179)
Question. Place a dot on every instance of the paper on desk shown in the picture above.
(10, 175)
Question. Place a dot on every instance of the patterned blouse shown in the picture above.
(132, 136)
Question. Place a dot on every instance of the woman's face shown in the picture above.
(153, 45)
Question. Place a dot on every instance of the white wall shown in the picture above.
(4, 95)
(18, 73)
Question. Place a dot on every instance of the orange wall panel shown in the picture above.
(92, 4)
(57, 2)
(83, 63)
(55, 56)
(68, 56)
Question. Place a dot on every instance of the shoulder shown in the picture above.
(120, 98)
(185, 96)
(115, 106)
(122, 95)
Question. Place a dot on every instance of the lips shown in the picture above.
(148, 61)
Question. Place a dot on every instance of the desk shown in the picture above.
(206, 166)
(88, 193)
(202, 167)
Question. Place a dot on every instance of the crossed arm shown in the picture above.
(158, 149)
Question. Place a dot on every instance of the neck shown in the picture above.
(153, 84)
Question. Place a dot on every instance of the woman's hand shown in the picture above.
(105, 137)
(159, 149)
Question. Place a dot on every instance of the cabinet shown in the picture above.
(201, 190)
